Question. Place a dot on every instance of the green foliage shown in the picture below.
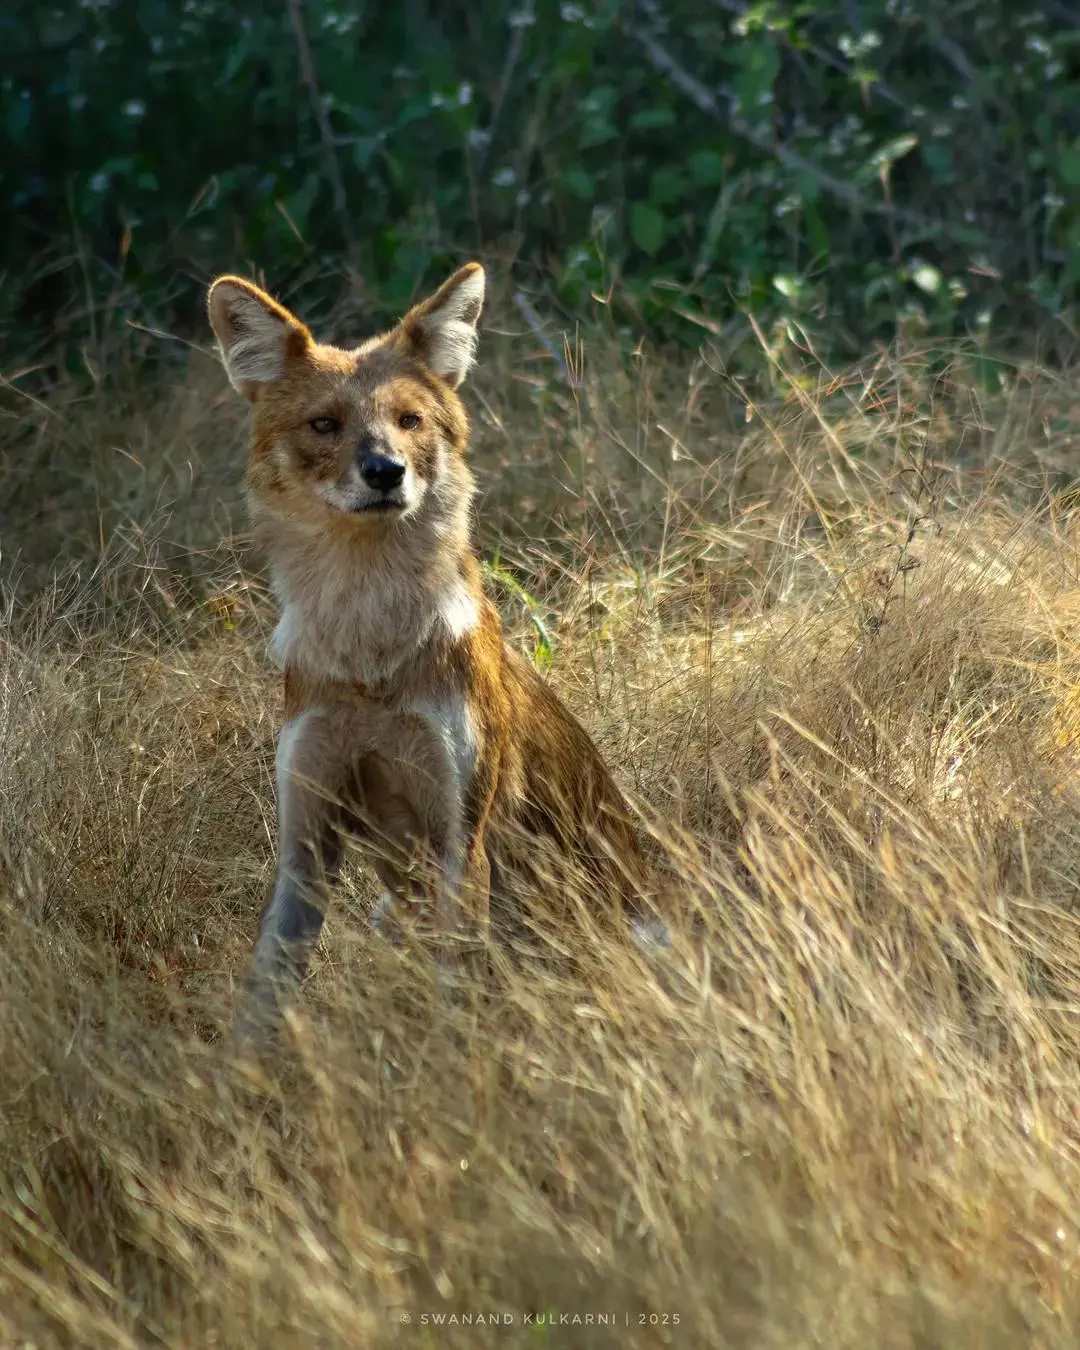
(496, 572)
(838, 167)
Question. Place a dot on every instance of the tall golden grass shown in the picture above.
(827, 639)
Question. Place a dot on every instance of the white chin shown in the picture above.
(363, 507)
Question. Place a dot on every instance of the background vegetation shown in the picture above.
(845, 166)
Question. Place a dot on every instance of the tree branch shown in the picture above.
(663, 62)
(326, 131)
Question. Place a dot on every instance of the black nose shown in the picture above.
(380, 471)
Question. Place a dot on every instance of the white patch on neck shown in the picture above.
(363, 621)
(284, 639)
(458, 610)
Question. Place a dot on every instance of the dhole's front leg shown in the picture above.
(448, 877)
(450, 794)
(462, 902)
(309, 856)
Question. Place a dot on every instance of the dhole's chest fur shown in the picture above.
(357, 614)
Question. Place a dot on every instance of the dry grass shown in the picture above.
(833, 651)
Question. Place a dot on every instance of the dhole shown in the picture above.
(409, 723)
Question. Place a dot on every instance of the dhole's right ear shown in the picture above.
(256, 335)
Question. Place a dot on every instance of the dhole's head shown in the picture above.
(370, 436)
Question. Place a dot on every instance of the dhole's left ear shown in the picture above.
(257, 336)
(442, 329)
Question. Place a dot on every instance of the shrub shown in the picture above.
(861, 164)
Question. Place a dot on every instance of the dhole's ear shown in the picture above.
(257, 336)
(442, 328)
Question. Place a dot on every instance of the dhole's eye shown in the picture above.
(409, 421)
(325, 425)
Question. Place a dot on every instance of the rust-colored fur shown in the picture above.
(408, 720)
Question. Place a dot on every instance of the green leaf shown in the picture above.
(808, 187)
(706, 168)
(667, 186)
(789, 287)
(542, 655)
(299, 203)
(596, 109)
(363, 150)
(927, 277)
(651, 119)
(414, 110)
(819, 234)
(1069, 166)
(398, 288)
(395, 170)
(596, 131)
(759, 65)
(885, 156)
(581, 184)
(1072, 261)
(600, 99)
(646, 227)
(238, 54)
(448, 195)
(938, 159)
(412, 257)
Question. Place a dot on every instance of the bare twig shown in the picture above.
(663, 62)
(326, 132)
(513, 56)
(537, 325)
